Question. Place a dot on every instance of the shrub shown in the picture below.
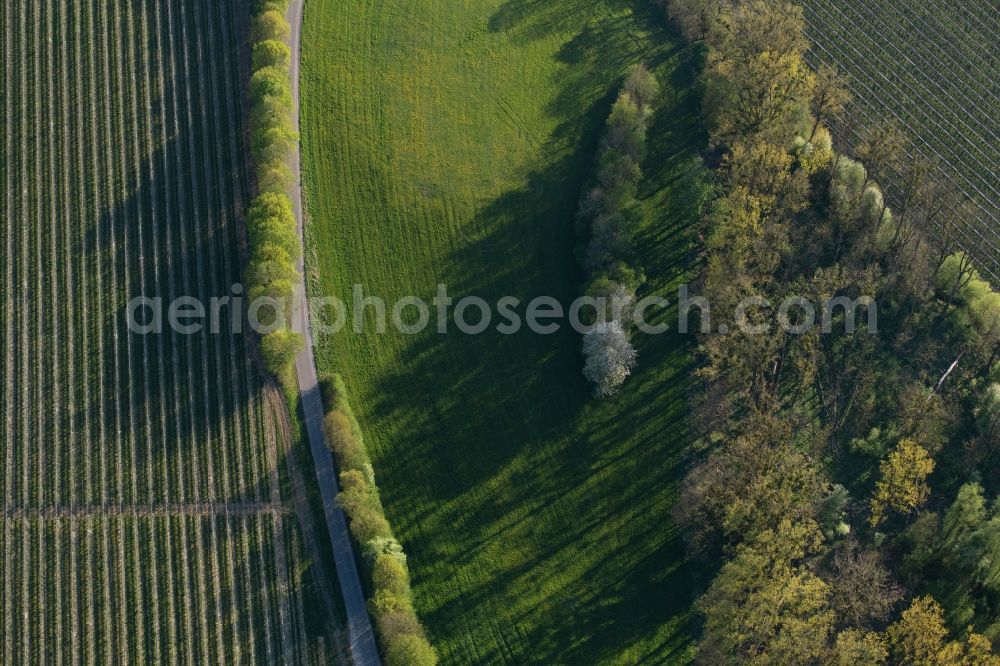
(270, 220)
(384, 602)
(619, 298)
(271, 274)
(609, 240)
(642, 86)
(366, 521)
(384, 546)
(389, 573)
(336, 395)
(618, 177)
(271, 205)
(956, 276)
(279, 349)
(612, 210)
(281, 291)
(591, 204)
(346, 446)
(984, 305)
(267, 5)
(356, 493)
(816, 154)
(845, 189)
(873, 207)
(410, 650)
(391, 603)
(626, 276)
(271, 24)
(876, 444)
(271, 110)
(626, 131)
(271, 53)
(328, 390)
(988, 413)
(271, 145)
(270, 263)
(392, 624)
(271, 82)
(275, 178)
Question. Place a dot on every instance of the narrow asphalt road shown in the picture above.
(359, 627)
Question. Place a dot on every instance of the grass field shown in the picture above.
(143, 520)
(447, 142)
(931, 67)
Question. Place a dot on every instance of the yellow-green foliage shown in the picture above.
(816, 154)
(270, 220)
(411, 650)
(903, 486)
(988, 412)
(274, 242)
(953, 273)
(783, 614)
(983, 304)
(271, 53)
(854, 647)
(279, 348)
(920, 637)
(389, 574)
(271, 24)
(845, 188)
(343, 435)
(404, 641)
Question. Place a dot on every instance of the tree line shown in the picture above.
(608, 215)
(274, 241)
(402, 637)
(844, 478)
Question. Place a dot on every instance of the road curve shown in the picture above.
(359, 627)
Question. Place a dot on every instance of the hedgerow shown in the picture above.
(274, 241)
(402, 637)
(608, 213)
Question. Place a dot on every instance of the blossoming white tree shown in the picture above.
(610, 357)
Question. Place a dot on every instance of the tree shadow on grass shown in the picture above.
(510, 466)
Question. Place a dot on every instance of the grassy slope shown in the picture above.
(447, 141)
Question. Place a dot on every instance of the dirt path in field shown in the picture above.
(359, 627)
(300, 499)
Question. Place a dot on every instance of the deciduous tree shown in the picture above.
(757, 83)
(830, 95)
(863, 591)
(609, 356)
(855, 647)
(903, 486)
(920, 637)
(279, 349)
(766, 606)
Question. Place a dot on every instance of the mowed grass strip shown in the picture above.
(447, 142)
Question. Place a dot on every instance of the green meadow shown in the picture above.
(449, 141)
